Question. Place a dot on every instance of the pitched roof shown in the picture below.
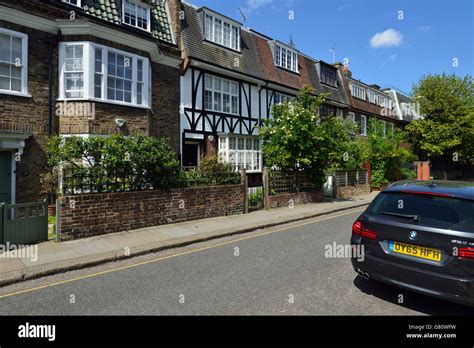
(307, 76)
(110, 11)
(246, 62)
(365, 105)
(256, 58)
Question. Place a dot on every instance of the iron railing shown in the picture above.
(76, 181)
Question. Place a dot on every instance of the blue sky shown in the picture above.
(384, 46)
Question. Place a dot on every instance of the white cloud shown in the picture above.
(255, 4)
(387, 38)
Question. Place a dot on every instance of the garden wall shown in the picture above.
(283, 200)
(352, 190)
(94, 214)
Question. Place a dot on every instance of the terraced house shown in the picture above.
(231, 78)
(85, 68)
(369, 101)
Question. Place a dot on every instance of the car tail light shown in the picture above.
(435, 194)
(360, 230)
(466, 253)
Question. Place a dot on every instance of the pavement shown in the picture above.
(280, 270)
(52, 257)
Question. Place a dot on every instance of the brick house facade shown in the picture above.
(368, 102)
(82, 68)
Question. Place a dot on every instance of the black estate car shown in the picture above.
(419, 235)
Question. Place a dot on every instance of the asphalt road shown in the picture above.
(277, 271)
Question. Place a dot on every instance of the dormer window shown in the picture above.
(136, 15)
(382, 101)
(73, 2)
(286, 58)
(328, 75)
(372, 96)
(357, 91)
(221, 31)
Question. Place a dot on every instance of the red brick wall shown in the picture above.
(94, 214)
(283, 200)
(351, 191)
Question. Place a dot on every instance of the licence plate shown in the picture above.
(415, 250)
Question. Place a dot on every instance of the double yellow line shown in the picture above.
(175, 255)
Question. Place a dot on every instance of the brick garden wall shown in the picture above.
(94, 214)
(283, 200)
(351, 191)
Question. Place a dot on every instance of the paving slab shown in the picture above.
(56, 257)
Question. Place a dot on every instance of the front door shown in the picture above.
(191, 154)
(5, 176)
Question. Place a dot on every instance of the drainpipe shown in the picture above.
(51, 41)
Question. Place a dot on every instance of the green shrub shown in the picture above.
(407, 173)
(256, 198)
(117, 162)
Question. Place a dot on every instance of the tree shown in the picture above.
(447, 128)
(298, 138)
(387, 151)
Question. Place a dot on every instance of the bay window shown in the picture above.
(94, 72)
(74, 71)
(221, 95)
(241, 152)
(13, 62)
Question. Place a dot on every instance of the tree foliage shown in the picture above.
(298, 138)
(141, 159)
(387, 151)
(447, 104)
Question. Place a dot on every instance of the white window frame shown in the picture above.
(210, 28)
(24, 63)
(284, 98)
(89, 71)
(384, 131)
(148, 14)
(363, 125)
(382, 101)
(213, 90)
(372, 96)
(281, 55)
(357, 91)
(79, 3)
(256, 155)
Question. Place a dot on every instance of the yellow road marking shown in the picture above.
(172, 256)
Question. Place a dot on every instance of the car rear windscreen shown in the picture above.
(433, 211)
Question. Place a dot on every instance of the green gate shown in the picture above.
(24, 223)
